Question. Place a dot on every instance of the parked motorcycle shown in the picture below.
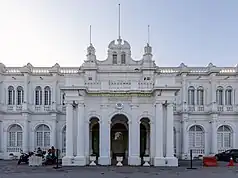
(24, 158)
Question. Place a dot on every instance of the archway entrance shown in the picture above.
(119, 138)
(94, 136)
(144, 137)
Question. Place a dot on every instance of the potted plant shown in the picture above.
(146, 159)
(119, 160)
(92, 159)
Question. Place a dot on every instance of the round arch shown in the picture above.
(231, 126)
(147, 123)
(41, 123)
(195, 124)
(90, 116)
(150, 117)
(124, 122)
(12, 124)
(128, 116)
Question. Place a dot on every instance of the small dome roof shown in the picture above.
(123, 44)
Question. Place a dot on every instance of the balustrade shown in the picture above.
(121, 85)
(14, 149)
(203, 108)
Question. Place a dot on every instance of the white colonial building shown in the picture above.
(119, 106)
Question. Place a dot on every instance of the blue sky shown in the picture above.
(44, 32)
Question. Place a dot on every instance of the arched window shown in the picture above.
(20, 95)
(14, 143)
(228, 96)
(123, 58)
(224, 138)
(47, 95)
(38, 96)
(43, 136)
(219, 95)
(196, 140)
(114, 58)
(191, 95)
(11, 95)
(64, 140)
(200, 96)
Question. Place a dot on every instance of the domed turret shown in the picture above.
(119, 51)
(91, 53)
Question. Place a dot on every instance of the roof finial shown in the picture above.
(148, 42)
(90, 35)
(119, 23)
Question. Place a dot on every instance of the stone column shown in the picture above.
(159, 157)
(171, 160)
(67, 160)
(134, 139)
(54, 131)
(105, 139)
(80, 159)
(25, 146)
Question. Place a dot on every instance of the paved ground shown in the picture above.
(9, 169)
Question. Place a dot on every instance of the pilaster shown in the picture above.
(214, 134)
(134, 138)
(54, 94)
(105, 139)
(54, 130)
(67, 160)
(159, 158)
(26, 133)
(170, 159)
(80, 159)
(26, 92)
(184, 123)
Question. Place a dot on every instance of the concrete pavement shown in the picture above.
(9, 169)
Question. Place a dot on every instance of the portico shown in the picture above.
(119, 129)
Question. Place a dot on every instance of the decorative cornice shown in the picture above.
(182, 69)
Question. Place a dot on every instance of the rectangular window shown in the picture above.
(46, 98)
(19, 97)
(46, 139)
(227, 140)
(123, 58)
(114, 59)
(220, 97)
(19, 139)
(39, 139)
(200, 97)
(12, 139)
(228, 98)
(37, 97)
(191, 97)
(10, 97)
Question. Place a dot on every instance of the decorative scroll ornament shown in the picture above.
(119, 105)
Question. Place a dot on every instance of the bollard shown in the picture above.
(57, 159)
(191, 160)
